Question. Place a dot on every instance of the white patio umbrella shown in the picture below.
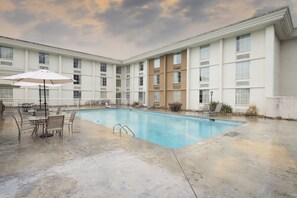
(28, 84)
(42, 77)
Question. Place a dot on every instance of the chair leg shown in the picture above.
(19, 137)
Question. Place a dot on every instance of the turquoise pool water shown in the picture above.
(171, 131)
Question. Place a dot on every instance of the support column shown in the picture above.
(165, 79)
(271, 66)
(146, 67)
(26, 70)
(221, 64)
(60, 72)
(93, 79)
(188, 80)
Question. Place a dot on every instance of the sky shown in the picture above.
(124, 28)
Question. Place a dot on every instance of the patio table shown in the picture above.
(37, 121)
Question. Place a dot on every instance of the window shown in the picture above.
(243, 43)
(77, 94)
(204, 74)
(140, 81)
(177, 58)
(204, 52)
(242, 96)
(176, 95)
(77, 79)
(243, 70)
(118, 70)
(128, 82)
(156, 96)
(6, 53)
(141, 66)
(118, 82)
(43, 58)
(156, 79)
(6, 93)
(41, 93)
(176, 77)
(128, 69)
(128, 96)
(103, 81)
(76, 63)
(103, 67)
(157, 63)
(140, 96)
(204, 96)
(103, 94)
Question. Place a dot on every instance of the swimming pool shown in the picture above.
(171, 131)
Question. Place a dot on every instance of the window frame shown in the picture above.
(76, 63)
(204, 96)
(44, 58)
(202, 71)
(76, 93)
(176, 96)
(118, 70)
(77, 80)
(103, 67)
(103, 81)
(242, 70)
(205, 52)
(176, 77)
(118, 82)
(157, 63)
(156, 79)
(177, 58)
(141, 66)
(140, 81)
(6, 53)
(240, 97)
(243, 43)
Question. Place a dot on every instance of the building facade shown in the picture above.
(252, 62)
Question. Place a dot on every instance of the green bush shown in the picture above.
(176, 106)
(135, 104)
(226, 108)
(212, 106)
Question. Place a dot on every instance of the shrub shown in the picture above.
(135, 104)
(226, 108)
(176, 106)
(252, 111)
(213, 105)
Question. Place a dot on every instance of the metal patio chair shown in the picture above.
(55, 124)
(70, 122)
(23, 128)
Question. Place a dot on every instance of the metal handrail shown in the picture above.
(115, 126)
(125, 126)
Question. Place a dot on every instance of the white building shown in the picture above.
(250, 62)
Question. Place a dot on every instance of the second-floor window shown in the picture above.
(177, 57)
(43, 58)
(103, 81)
(128, 69)
(204, 52)
(118, 82)
(118, 69)
(76, 63)
(103, 67)
(157, 63)
(156, 79)
(6, 53)
(243, 43)
(177, 77)
(77, 94)
(140, 81)
(243, 70)
(77, 79)
(204, 74)
(141, 66)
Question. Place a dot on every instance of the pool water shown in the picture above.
(171, 131)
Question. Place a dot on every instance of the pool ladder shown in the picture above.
(124, 127)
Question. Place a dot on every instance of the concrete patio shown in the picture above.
(257, 159)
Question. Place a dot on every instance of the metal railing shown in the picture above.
(124, 127)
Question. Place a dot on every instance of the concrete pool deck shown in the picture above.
(257, 159)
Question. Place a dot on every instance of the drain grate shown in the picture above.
(232, 134)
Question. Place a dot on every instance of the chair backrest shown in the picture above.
(58, 110)
(205, 107)
(16, 121)
(55, 122)
(72, 116)
(218, 108)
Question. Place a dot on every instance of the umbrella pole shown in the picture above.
(40, 97)
(44, 92)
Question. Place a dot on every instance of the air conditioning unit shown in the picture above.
(7, 63)
(202, 63)
(242, 83)
(204, 85)
(102, 74)
(77, 71)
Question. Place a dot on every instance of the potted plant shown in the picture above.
(176, 106)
